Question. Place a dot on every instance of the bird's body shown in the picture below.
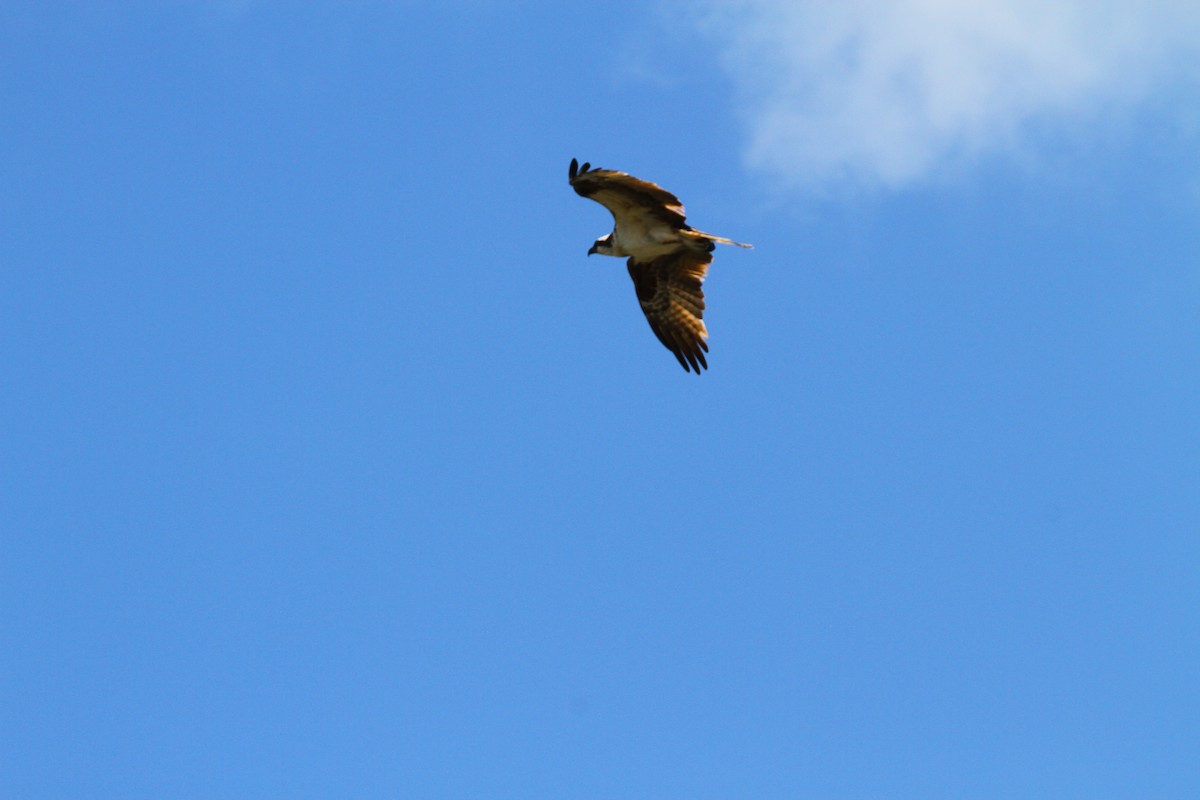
(641, 241)
(644, 242)
(667, 257)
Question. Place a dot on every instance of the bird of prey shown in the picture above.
(667, 257)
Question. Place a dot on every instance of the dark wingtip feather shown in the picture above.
(574, 170)
(689, 355)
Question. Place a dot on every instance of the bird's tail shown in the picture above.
(720, 240)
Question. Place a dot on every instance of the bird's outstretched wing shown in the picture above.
(668, 289)
(626, 196)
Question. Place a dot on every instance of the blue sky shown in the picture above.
(333, 468)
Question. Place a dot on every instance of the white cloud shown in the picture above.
(892, 91)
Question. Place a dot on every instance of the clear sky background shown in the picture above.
(332, 467)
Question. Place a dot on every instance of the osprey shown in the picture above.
(667, 257)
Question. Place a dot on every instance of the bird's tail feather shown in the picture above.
(722, 240)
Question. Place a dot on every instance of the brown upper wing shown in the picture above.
(669, 292)
(624, 195)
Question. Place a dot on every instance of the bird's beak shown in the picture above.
(592, 250)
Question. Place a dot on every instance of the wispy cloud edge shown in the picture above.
(890, 92)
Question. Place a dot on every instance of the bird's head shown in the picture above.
(603, 246)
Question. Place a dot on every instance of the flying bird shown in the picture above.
(667, 257)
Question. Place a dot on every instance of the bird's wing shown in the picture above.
(668, 289)
(625, 195)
